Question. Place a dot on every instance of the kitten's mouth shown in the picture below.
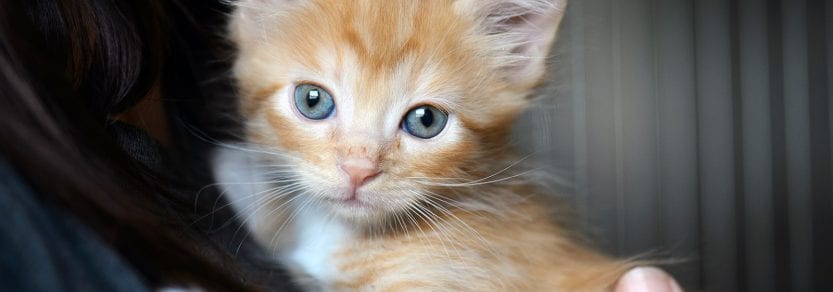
(352, 207)
(352, 203)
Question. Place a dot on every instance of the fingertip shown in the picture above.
(647, 279)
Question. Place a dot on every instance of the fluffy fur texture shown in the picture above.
(453, 212)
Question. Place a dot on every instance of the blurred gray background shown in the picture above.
(699, 130)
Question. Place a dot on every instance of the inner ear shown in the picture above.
(535, 41)
(522, 32)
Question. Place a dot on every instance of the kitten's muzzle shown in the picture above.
(359, 171)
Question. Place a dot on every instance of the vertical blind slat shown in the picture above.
(616, 67)
(829, 37)
(797, 134)
(638, 128)
(577, 68)
(601, 137)
(757, 150)
(676, 106)
(829, 19)
(820, 157)
(780, 198)
(716, 142)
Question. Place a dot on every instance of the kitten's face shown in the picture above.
(373, 102)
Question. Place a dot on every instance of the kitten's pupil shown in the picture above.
(426, 117)
(312, 98)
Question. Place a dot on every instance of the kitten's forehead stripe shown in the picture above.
(381, 48)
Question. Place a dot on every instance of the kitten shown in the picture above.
(376, 154)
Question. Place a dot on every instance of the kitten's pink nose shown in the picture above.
(359, 170)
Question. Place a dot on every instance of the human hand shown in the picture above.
(647, 279)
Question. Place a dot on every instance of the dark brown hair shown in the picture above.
(66, 66)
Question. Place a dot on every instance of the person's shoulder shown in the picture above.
(45, 249)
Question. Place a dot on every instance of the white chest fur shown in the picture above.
(316, 239)
(305, 244)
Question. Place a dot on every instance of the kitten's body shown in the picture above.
(354, 200)
(515, 248)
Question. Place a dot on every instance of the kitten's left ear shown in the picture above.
(521, 30)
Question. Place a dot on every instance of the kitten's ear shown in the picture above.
(521, 30)
(253, 17)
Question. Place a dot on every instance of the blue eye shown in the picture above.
(425, 121)
(314, 102)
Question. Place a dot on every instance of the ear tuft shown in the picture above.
(522, 32)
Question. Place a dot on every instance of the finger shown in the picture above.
(647, 279)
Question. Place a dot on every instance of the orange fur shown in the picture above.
(443, 218)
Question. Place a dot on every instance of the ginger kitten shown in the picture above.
(376, 151)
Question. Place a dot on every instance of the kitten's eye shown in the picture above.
(313, 102)
(425, 121)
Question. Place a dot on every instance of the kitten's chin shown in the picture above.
(355, 210)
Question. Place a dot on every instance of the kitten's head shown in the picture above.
(374, 104)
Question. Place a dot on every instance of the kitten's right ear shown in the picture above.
(521, 31)
(254, 17)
